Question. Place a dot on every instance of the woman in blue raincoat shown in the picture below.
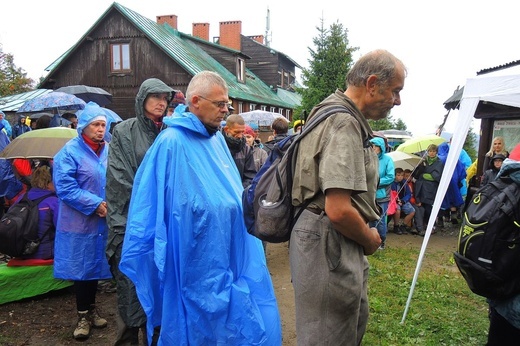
(81, 233)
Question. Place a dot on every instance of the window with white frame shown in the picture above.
(241, 70)
(120, 57)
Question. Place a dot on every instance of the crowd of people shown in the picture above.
(156, 206)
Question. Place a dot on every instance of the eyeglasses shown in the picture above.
(219, 104)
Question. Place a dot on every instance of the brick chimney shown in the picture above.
(230, 34)
(201, 30)
(258, 38)
(170, 19)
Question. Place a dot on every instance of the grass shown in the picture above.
(443, 310)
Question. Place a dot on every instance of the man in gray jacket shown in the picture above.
(131, 139)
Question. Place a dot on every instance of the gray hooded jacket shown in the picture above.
(131, 139)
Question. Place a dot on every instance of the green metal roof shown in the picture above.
(11, 103)
(290, 97)
(193, 59)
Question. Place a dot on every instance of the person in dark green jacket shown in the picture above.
(131, 139)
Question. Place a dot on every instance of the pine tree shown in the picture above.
(330, 61)
(13, 80)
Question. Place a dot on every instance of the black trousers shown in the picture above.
(501, 332)
(85, 294)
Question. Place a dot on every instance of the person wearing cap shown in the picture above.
(131, 139)
(81, 232)
(297, 127)
(178, 99)
(491, 173)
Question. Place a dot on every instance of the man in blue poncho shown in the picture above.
(199, 275)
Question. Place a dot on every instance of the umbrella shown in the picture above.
(418, 144)
(53, 100)
(112, 116)
(261, 118)
(88, 93)
(36, 116)
(38, 144)
(404, 160)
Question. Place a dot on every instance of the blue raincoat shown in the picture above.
(198, 273)
(79, 179)
(453, 197)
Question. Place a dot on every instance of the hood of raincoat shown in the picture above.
(150, 86)
(222, 289)
(91, 112)
(380, 142)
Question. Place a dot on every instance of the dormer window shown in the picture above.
(120, 57)
(241, 70)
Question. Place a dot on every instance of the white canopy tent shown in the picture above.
(500, 88)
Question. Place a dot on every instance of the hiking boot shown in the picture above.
(94, 318)
(82, 330)
(414, 231)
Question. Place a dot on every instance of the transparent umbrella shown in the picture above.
(261, 118)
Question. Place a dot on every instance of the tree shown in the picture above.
(470, 144)
(387, 124)
(13, 80)
(330, 61)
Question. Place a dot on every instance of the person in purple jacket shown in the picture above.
(42, 185)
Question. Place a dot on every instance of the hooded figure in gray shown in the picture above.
(131, 139)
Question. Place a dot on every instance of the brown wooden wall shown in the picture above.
(265, 64)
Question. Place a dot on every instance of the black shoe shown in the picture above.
(398, 230)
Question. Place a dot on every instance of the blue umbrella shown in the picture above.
(112, 117)
(52, 101)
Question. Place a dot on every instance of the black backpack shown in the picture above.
(19, 228)
(267, 203)
(488, 249)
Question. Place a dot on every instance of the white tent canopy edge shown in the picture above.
(504, 89)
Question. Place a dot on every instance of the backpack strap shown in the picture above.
(311, 124)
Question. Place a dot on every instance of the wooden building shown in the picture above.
(124, 48)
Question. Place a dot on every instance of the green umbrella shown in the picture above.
(38, 144)
(418, 144)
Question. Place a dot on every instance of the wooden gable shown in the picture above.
(90, 64)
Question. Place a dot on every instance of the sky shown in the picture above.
(442, 43)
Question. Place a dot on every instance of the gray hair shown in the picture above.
(202, 84)
(234, 119)
(378, 62)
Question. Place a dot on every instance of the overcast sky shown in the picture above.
(441, 45)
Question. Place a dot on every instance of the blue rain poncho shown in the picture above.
(79, 177)
(198, 273)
